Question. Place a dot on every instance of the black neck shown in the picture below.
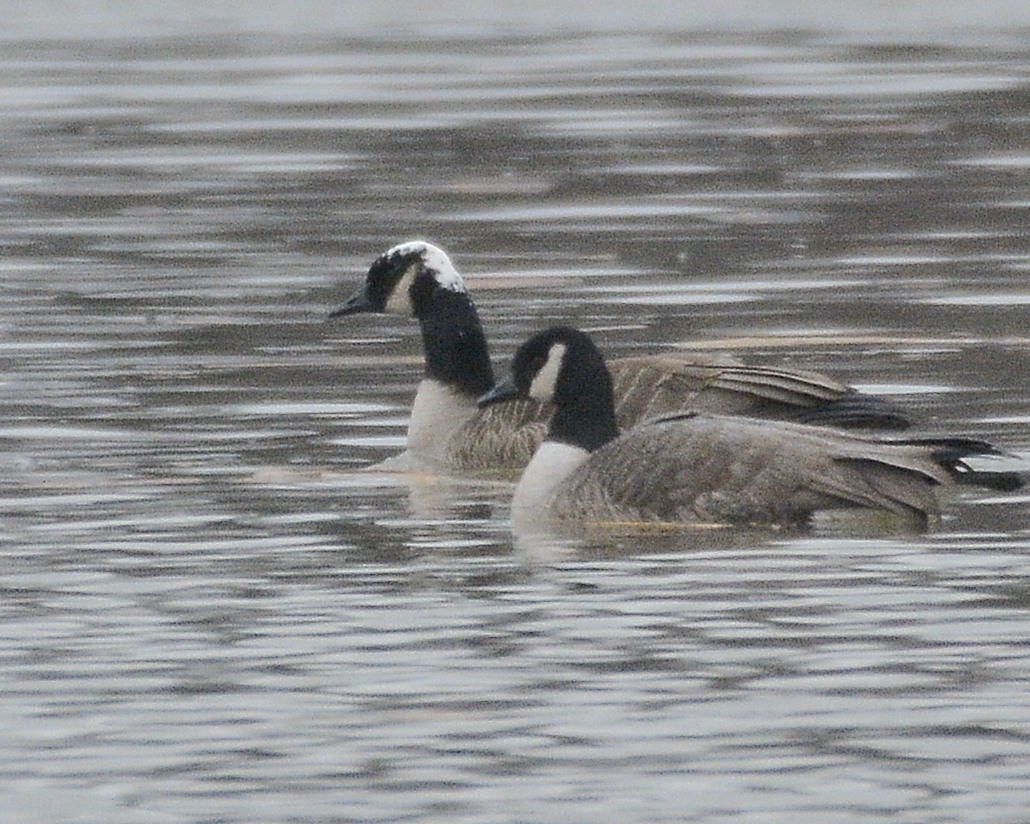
(587, 417)
(454, 343)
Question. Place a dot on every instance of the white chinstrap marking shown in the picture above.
(543, 385)
(399, 301)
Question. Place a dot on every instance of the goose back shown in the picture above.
(729, 469)
(655, 385)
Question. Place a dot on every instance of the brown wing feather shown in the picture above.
(705, 468)
(500, 438)
(647, 387)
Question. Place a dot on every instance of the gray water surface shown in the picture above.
(210, 611)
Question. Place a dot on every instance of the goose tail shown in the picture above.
(950, 455)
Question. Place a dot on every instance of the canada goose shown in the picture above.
(447, 430)
(697, 467)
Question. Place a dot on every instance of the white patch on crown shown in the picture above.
(543, 385)
(435, 259)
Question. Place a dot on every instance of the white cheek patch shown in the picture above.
(399, 302)
(542, 387)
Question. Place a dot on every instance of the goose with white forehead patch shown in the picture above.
(448, 431)
(695, 467)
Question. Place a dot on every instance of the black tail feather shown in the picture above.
(949, 454)
(856, 411)
(1000, 481)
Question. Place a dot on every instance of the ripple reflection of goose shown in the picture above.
(708, 468)
(448, 431)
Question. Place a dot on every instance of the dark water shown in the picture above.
(209, 612)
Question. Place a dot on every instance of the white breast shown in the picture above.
(436, 414)
(551, 464)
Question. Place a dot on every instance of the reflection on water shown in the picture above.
(212, 611)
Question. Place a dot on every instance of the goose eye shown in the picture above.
(536, 363)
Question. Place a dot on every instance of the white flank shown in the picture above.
(542, 387)
(551, 464)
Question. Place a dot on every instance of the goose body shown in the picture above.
(448, 430)
(697, 467)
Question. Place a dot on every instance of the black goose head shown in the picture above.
(562, 366)
(418, 279)
(403, 280)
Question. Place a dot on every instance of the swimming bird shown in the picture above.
(448, 431)
(697, 467)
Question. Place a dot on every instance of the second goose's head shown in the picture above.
(562, 366)
(403, 281)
